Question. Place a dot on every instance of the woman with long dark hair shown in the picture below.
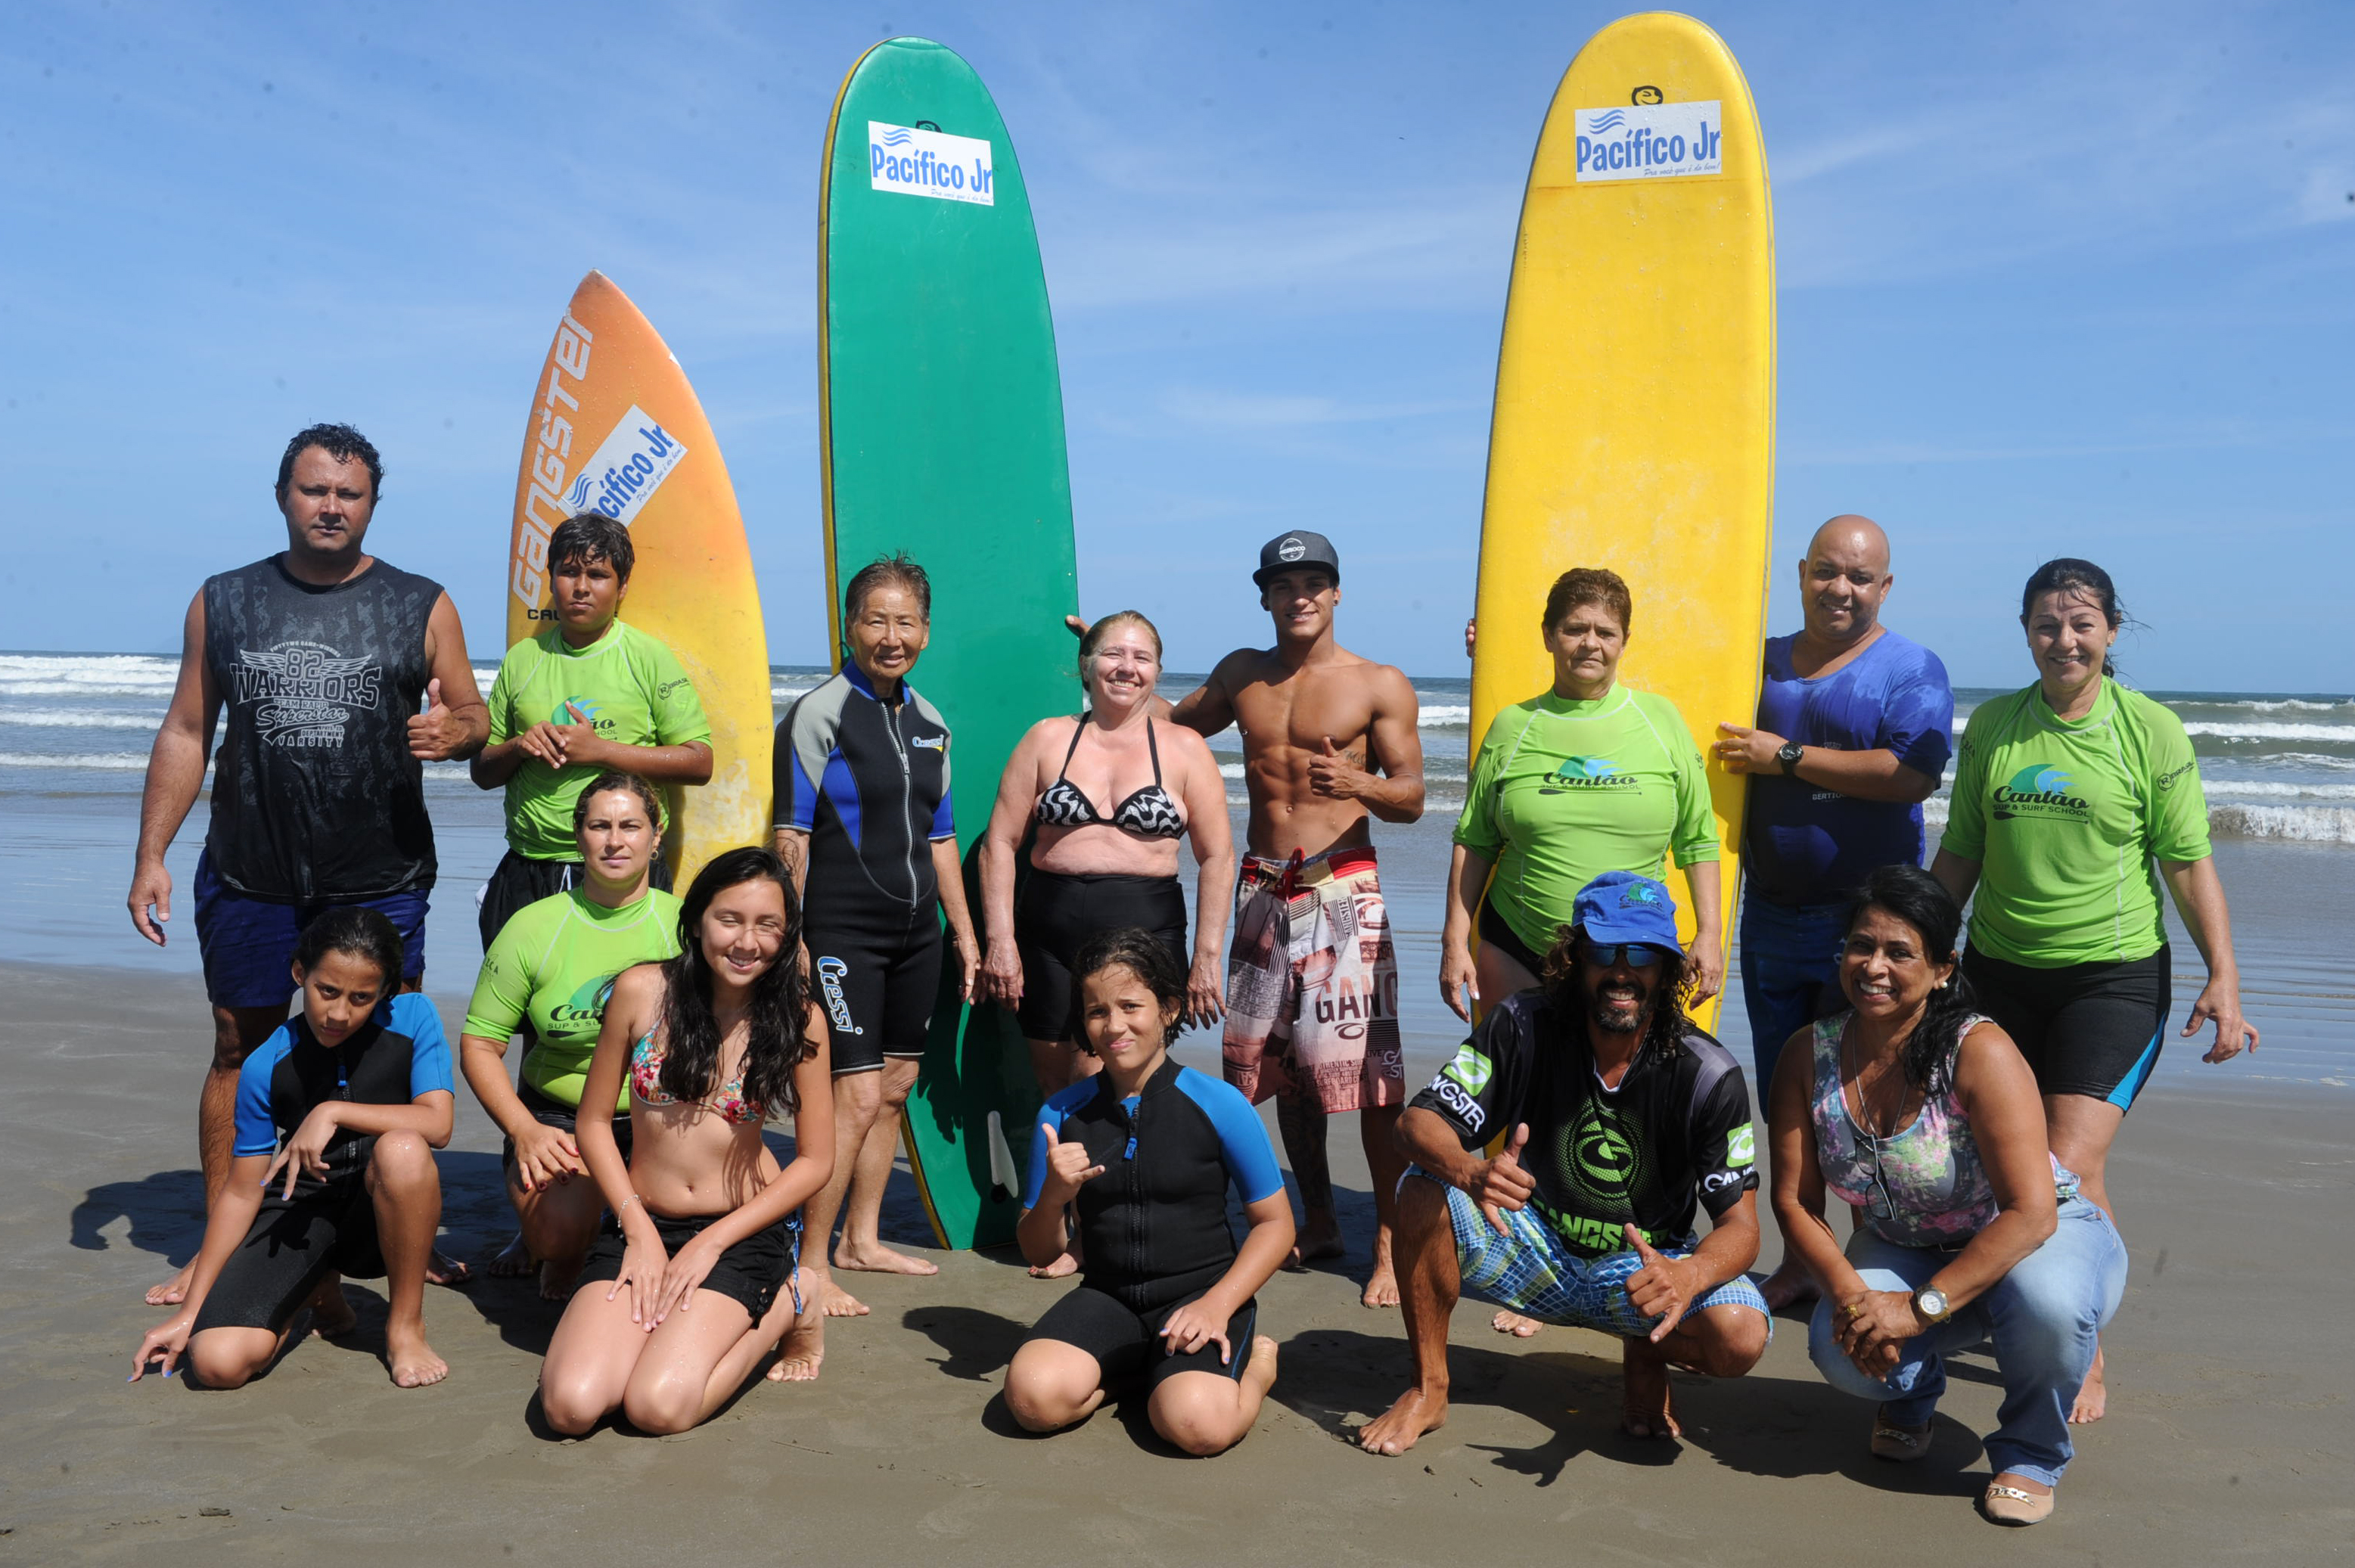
(1915, 1110)
(692, 1282)
(2073, 799)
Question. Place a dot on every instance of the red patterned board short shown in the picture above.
(1311, 983)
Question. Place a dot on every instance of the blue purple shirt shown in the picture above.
(1812, 845)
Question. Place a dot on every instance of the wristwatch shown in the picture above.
(1788, 754)
(1930, 1304)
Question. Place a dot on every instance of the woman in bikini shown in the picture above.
(692, 1283)
(1095, 869)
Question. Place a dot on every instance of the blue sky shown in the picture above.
(2053, 280)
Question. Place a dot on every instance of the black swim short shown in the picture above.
(326, 1228)
(520, 879)
(879, 992)
(2088, 1029)
(749, 1273)
(1059, 912)
(556, 1113)
(1495, 934)
(1127, 1344)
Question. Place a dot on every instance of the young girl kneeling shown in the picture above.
(692, 1281)
(1145, 1150)
(338, 1114)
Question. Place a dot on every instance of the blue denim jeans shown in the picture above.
(1790, 974)
(2043, 1316)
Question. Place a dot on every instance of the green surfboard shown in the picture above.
(942, 417)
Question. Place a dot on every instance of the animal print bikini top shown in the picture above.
(645, 1082)
(1150, 813)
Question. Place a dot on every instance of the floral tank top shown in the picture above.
(1923, 1187)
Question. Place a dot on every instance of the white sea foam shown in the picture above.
(2312, 824)
(2234, 789)
(99, 762)
(77, 719)
(2261, 730)
(1443, 715)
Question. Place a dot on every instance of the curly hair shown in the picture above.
(776, 1014)
(1664, 1030)
(585, 537)
(340, 442)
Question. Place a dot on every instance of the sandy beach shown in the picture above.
(2228, 1438)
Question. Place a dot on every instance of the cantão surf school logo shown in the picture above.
(623, 475)
(2041, 790)
(913, 160)
(1588, 772)
(585, 1008)
(1651, 141)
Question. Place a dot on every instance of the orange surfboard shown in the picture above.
(615, 428)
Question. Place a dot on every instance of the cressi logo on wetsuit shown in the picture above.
(830, 972)
(2038, 791)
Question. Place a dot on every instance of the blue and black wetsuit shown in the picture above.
(1154, 1225)
(329, 1224)
(869, 780)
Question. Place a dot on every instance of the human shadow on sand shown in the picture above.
(1762, 1425)
(166, 1211)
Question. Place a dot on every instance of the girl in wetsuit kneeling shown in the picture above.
(1144, 1151)
(692, 1280)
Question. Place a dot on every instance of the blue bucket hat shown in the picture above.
(1620, 906)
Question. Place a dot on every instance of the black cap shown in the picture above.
(1299, 547)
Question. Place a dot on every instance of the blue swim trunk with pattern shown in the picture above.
(1531, 1270)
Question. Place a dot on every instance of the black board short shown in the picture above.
(294, 1243)
(1127, 1344)
(750, 1272)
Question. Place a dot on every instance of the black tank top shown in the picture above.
(315, 793)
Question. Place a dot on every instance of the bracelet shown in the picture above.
(625, 1209)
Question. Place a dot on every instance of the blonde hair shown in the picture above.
(1095, 635)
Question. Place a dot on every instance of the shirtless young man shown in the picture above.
(1330, 740)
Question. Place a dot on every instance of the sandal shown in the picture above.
(2009, 1505)
(1902, 1445)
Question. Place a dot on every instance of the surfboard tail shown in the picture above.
(1003, 1184)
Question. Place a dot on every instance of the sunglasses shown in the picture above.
(1635, 955)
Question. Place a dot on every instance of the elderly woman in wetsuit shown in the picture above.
(1109, 793)
(692, 1280)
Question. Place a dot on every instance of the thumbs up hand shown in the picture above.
(434, 732)
(1501, 1184)
(1663, 1287)
(1069, 1169)
(1335, 774)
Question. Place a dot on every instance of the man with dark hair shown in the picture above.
(1618, 1119)
(341, 676)
(1329, 743)
(1854, 727)
(587, 695)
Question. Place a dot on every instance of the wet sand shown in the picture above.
(2231, 1432)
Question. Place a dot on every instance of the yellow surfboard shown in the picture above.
(1635, 422)
(615, 428)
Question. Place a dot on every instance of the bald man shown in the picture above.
(1855, 724)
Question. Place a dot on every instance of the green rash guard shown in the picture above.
(2064, 819)
(553, 964)
(1564, 791)
(633, 693)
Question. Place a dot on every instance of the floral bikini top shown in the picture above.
(645, 1082)
(1924, 1186)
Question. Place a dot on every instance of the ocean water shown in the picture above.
(2279, 770)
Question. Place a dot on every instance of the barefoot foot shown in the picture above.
(1648, 1410)
(173, 1291)
(1319, 1239)
(443, 1269)
(2093, 1399)
(1787, 1286)
(1399, 1428)
(829, 1299)
(558, 1276)
(1381, 1290)
(880, 1259)
(413, 1362)
(512, 1261)
(1259, 1376)
(1063, 1267)
(801, 1351)
(1508, 1321)
(332, 1317)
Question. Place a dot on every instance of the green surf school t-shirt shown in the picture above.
(631, 690)
(2064, 819)
(553, 964)
(1563, 791)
